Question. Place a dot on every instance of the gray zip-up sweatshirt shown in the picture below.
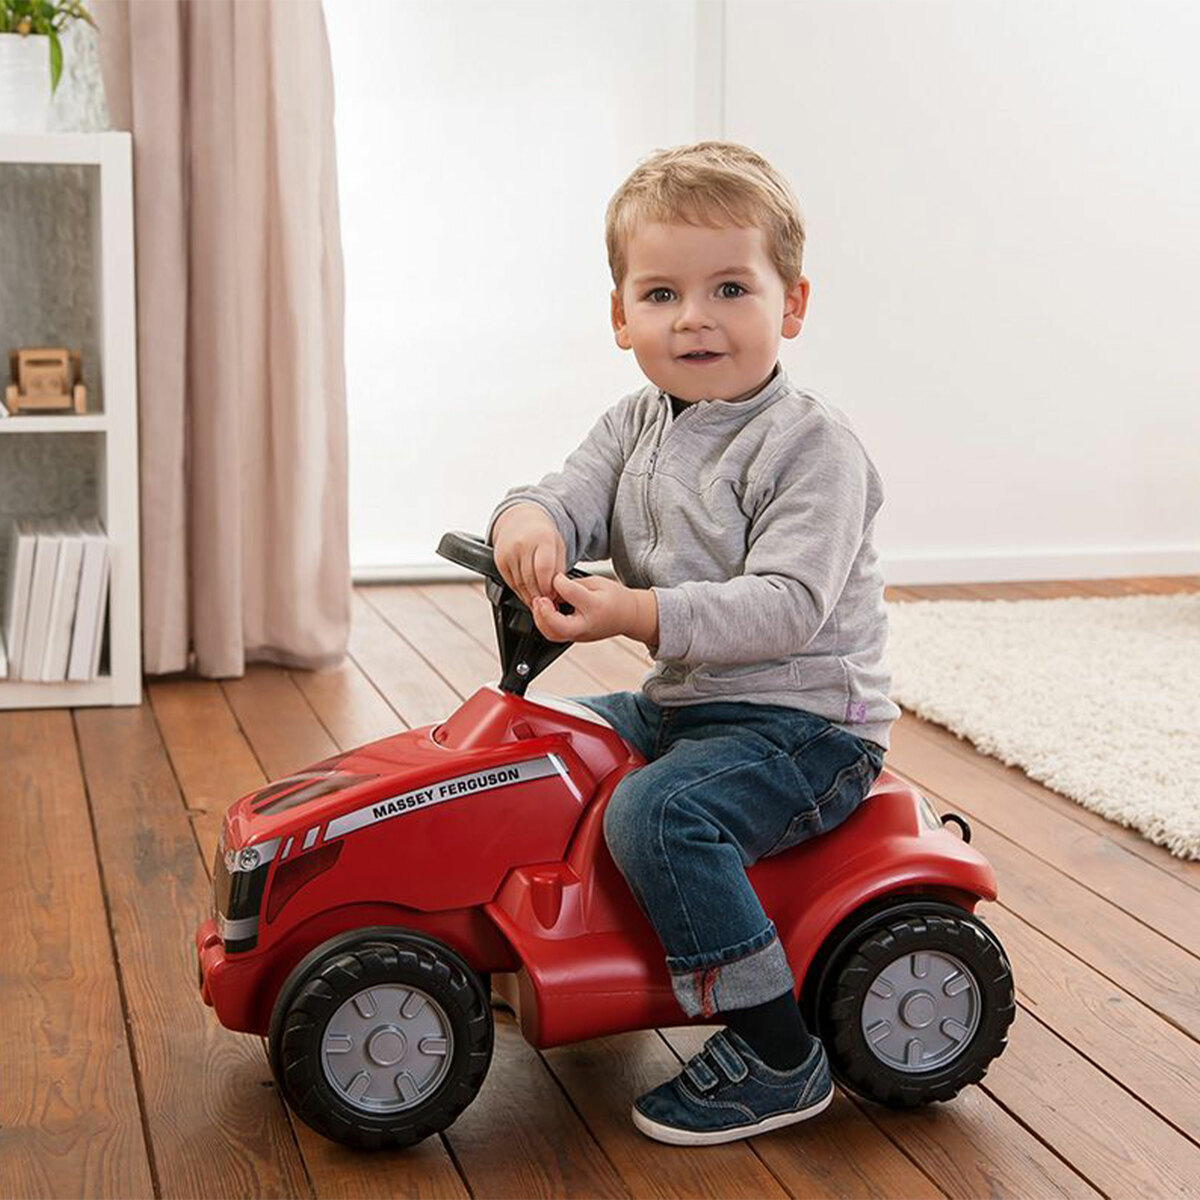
(752, 522)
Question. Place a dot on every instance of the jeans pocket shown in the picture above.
(850, 786)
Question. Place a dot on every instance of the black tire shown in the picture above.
(455, 1019)
(882, 947)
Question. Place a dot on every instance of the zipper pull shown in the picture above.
(653, 459)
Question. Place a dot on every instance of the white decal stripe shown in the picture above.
(440, 791)
(561, 768)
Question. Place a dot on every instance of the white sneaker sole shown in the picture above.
(687, 1137)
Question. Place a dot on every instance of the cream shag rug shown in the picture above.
(1098, 699)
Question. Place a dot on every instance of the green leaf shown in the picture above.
(56, 61)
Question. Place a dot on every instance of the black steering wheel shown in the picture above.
(524, 652)
(473, 552)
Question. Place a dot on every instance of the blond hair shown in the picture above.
(713, 184)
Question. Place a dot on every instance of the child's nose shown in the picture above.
(692, 314)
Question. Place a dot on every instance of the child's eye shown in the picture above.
(650, 295)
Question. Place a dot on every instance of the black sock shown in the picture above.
(775, 1031)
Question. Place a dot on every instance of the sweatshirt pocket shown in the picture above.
(779, 675)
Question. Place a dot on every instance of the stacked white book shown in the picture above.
(54, 599)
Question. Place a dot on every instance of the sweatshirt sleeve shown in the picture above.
(580, 497)
(814, 501)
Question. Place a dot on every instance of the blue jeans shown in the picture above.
(725, 784)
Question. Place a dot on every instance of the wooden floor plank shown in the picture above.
(972, 1147)
(214, 1127)
(344, 699)
(520, 1137)
(70, 1123)
(1157, 899)
(462, 661)
(1128, 1041)
(210, 756)
(279, 723)
(413, 689)
(215, 765)
(1113, 1139)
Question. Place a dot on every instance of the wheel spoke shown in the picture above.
(406, 1087)
(954, 1029)
(358, 1087)
(412, 1006)
(433, 1045)
(919, 964)
(338, 1043)
(878, 1031)
(954, 983)
(882, 987)
(914, 1053)
(365, 1004)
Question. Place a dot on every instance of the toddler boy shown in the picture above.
(738, 513)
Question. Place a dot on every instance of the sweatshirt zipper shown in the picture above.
(662, 437)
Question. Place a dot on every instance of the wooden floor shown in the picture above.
(115, 1081)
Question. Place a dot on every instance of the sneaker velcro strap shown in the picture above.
(726, 1057)
(701, 1074)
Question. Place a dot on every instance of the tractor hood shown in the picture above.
(430, 819)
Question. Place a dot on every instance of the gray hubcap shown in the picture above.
(387, 1048)
(921, 1011)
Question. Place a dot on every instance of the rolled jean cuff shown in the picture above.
(756, 977)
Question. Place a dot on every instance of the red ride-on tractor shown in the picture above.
(367, 907)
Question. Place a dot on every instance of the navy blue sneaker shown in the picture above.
(727, 1092)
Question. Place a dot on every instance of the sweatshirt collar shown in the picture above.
(720, 410)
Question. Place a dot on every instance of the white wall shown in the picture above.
(1003, 204)
(478, 145)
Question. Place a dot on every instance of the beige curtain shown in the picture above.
(241, 373)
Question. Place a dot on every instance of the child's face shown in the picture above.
(678, 295)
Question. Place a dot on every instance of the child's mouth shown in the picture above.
(700, 358)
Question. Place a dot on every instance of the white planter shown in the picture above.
(24, 83)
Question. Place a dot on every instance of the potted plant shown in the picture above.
(31, 59)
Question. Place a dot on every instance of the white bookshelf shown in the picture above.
(99, 448)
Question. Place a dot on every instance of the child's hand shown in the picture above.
(603, 608)
(528, 550)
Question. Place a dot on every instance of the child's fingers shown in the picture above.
(558, 627)
(528, 578)
(565, 584)
(544, 568)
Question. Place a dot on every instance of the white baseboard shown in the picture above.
(905, 570)
(909, 571)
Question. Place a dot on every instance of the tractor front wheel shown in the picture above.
(382, 1039)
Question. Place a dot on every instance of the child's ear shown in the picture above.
(795, 305)
(618, 322)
